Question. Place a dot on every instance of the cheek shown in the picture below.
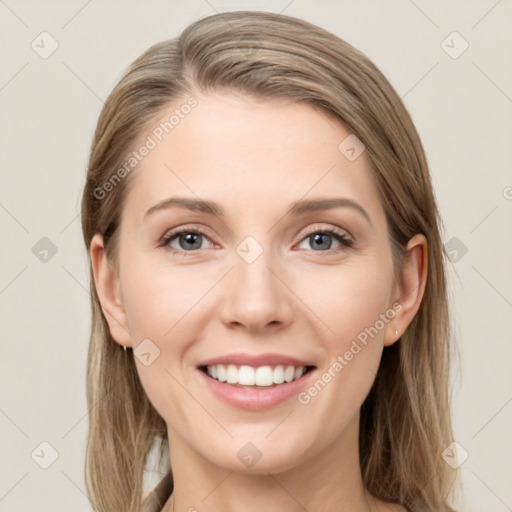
(163, 303)
(159, 298)
(349, 301)
(352, 304)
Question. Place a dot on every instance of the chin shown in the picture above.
(258, 458)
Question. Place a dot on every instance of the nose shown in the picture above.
(257, 296)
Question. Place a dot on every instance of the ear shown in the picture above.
(109, 292)
(410, 288)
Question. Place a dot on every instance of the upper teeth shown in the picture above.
(250, 376)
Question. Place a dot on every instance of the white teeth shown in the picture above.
(289, 373)
(219, 370)
(263, 376)
(246, 376)
(250, 376)
(299, 372)
(278, 377)
(232, 374)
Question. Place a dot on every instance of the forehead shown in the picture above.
(249, 153)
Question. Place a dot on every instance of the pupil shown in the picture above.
(190, 237)
(319, 238)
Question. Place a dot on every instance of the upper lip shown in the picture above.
(256, 360)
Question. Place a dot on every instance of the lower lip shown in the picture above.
(255, 398)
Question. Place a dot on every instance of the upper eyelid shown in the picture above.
(314, 228)
(172, 233)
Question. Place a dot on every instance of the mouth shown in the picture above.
(260, 377)
(255, 382)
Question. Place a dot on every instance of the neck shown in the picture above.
(328, 481)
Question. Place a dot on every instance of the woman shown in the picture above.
(274, 371)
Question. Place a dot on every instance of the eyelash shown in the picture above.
(338, 235)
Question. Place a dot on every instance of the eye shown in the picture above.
(187, 239)
(322, 239)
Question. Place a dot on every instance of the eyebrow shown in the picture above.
(296, 208)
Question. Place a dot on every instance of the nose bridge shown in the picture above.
(257, 295)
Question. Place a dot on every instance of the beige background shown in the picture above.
(462, 108)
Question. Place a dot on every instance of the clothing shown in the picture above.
(158, 497)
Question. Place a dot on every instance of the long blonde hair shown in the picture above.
(405, 420)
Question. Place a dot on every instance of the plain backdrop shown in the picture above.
(460, 100)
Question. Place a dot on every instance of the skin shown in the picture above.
(255, 158)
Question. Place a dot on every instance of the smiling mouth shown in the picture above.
(255, 377)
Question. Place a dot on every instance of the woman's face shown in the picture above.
(262, 280)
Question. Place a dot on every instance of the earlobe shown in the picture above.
(411, 287)
(108, 289)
